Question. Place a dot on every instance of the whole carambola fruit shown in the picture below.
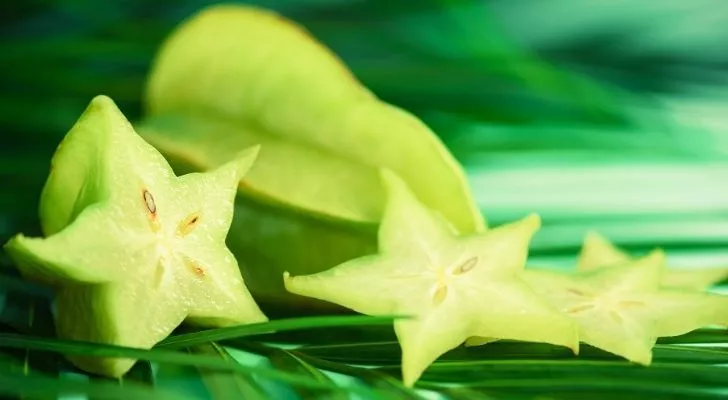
(234, 76)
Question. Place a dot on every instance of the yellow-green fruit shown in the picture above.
(131, 249)
(233, 76)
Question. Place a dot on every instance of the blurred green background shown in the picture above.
(601, 114)
(605, 115)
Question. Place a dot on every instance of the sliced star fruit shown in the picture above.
(598, 252)
(216, 87)
(624, 309)
(134, 250)
(454, 286)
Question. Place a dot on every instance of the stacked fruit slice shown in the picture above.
(475, 289)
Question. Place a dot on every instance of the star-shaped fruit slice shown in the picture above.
(624, 309)
(146, 252)
(598, 252)
(453, 286)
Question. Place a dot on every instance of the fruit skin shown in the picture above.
(75, 174)
(102, 251)
(290, 84)
(216, 87)
(75, 178)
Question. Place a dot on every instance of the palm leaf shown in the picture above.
(599, 116)
(383, 386)
(8, 340)
(226, 385)
(233, 332)
(290, 362)
(51, 387)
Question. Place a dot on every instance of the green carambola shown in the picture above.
(132, 249)
(233, 76)
(597, 252)
(624, 308)
(454, 286)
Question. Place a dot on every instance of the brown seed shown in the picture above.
(194, 267)
(466, 266)
(149, 202)
(188, 224)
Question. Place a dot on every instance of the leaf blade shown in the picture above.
(227, 385)
(19, 385)
(288, 361)
(268, 327)
(156, 355)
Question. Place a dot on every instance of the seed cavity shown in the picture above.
(630, 303)
(158, 274)
(466, 266)
(188, 224)
(149, 202)
(194, 267)
(439, 294)
(615, 316)
(579, 308)
(576, 292)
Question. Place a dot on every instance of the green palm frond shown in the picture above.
(601, 115)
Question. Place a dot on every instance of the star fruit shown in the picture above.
(134, 250)
(597, 252)
(453, 286)
(624, 309)
(232, 75)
